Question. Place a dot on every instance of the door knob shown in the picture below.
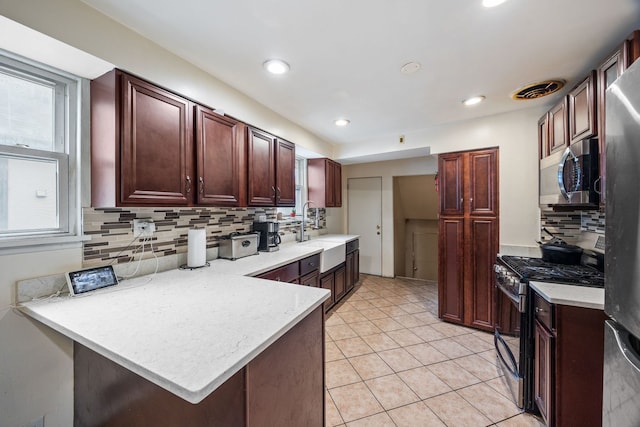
(378, 227)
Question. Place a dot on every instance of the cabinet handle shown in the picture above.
(471, 203)
(540, 310)
(278, 192)
(597, 184)
(201, 185)
(188, 184)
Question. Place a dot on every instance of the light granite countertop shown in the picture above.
(187, 331)
(577, 296)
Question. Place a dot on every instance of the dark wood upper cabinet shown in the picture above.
(482, 183)
(285, 173)
(543, 136)
(582, 109)
(450, 174)
(324, 183)
(221, 166)
(558, 138)
(141, 142)
(271, 165)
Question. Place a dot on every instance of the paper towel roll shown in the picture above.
(197, 247)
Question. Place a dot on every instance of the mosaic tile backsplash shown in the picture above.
(569, 225)
(113, 241)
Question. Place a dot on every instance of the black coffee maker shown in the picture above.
(269, 236)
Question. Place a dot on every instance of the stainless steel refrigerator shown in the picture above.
(621, 393)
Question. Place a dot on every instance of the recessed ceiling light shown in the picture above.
(410, 67)
(492, 3)
(341, 122)
(276, 66)
(474, 100)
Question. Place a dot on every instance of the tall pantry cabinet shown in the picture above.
(468, 236)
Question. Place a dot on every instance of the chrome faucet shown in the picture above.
(304, 219)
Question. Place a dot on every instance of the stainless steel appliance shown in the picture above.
(514, 344)
(569, 177)
(621, 402)
(269, 235)
(238, 245)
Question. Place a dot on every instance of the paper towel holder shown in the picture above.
(186, 267)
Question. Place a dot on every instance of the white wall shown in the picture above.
(516, 136)
(36, 365)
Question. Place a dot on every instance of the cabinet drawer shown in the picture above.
(543, 311)
(353, 245)
(287, 273)
(307, 265)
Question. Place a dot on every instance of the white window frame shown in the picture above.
(70, 98)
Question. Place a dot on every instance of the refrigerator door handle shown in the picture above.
(622, 338)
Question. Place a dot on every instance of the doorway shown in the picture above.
(365, 219)
(415, 217)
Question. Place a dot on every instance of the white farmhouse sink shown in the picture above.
(333, 253)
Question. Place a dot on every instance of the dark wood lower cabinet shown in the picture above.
(311, 279)
(327, 282)
(569, 360)
(340, 282)
(282, 386)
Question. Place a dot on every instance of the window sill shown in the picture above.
(41, 244)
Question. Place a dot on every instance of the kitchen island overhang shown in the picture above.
(185, 331)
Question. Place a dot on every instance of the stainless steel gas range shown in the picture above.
(514, 342)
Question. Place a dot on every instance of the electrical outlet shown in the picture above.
(143, 227)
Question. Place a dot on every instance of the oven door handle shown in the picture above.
(511, 367)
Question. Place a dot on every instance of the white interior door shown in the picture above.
(365, 219)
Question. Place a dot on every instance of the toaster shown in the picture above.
(238, 245)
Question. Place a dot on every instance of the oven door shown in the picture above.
(507, 342)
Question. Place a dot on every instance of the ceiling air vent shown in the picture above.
(538, 90)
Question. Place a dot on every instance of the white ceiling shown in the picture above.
(346, 55)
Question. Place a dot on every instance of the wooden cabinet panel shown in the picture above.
(327, 282)
(220, 161)
(582, 109)
(558, 129)
(356, 266)
(450, 173)
(155, 145)
(451, 279)
(481, 256)
(261, 168)
(285, 173)
(543, 136)
(543, 373)
(340, 282)
(324, 187)
(482, 183)
(312, 279)
(309, 264)
(287, 273)
(349, 271)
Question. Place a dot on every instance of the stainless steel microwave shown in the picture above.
(569, 177)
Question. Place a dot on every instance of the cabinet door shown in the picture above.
(312, 279)
(356, 266)
(483, 183)
(543, 136)
(349, 271)
(478, 270)
(450, 171)
(608, 72)
(261, 168)
(543, 371)
(450, 269)
(340, 280)
(336, 183)
(558, 130)
(327, 282)
(285, 173)
(582, 109)
(155, 147)
(219, 145)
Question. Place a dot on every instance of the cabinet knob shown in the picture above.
(201, 185)
(188, 189)
(540, 310)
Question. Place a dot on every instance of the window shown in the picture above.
(39, 166)
(301, 185)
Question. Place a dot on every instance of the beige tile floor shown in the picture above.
(391, 362)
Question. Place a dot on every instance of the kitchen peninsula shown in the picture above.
(201, 347)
